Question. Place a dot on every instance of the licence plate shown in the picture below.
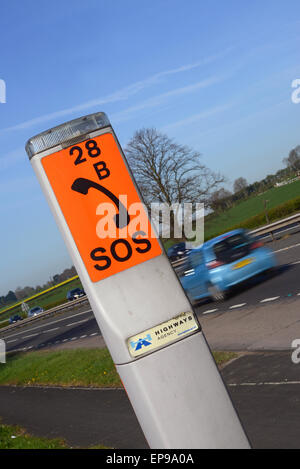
(243, 263)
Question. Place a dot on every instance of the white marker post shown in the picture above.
(146, 320)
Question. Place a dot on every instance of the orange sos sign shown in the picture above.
(85, 175)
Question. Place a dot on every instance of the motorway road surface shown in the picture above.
(79, 325)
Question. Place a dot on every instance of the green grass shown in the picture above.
(250, 207)
(224, 357)
(13, 437)
(79, 367)
(86, 367)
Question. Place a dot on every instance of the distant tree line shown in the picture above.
(22, 293)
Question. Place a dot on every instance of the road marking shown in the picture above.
(269, 299)
(74, 338)
(95, 333)
(237, 306)
(78, 322)
(266, 383)
(50, 330)
(83, 336)
(210, 311)
(10, 341)
(289, 247)
(27, 336)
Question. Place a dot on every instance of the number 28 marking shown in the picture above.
(92, 149)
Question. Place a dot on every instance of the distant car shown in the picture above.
(75, 294)
(35, 311)
(223, 262)
(177, 251)
(15, 318)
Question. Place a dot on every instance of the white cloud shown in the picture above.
(196, 117)
(120, 95)
(158, 100)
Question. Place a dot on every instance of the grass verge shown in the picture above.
(86, 367)
(79, 367)
(13, 437)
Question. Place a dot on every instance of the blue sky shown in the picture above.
(213, 75)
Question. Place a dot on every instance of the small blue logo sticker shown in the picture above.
(142, 342)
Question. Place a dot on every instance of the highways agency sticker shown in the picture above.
(162, 334)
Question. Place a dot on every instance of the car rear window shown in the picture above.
(232, 248)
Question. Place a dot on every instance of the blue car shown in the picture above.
(223, 262)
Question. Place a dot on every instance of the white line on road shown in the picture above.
(289, 247)
(78, 322)
(50, 330)
(237, 306)
(31, 335)
(269, 299)
(210, 311)
(95, 333)
(275, 383)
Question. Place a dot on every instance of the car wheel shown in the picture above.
(216, 293)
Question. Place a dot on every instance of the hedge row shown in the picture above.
(281, 211)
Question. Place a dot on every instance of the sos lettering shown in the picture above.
(121, 250)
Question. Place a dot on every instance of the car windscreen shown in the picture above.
(34, 310)
(232, 248)
(76, 290)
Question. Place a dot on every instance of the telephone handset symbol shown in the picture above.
(83, 185)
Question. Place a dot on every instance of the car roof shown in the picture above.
(217, 239)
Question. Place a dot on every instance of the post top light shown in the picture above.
(65, 133)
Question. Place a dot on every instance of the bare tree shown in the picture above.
(220, 200)
(293, 160)
(239, 184)
(168, 172)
